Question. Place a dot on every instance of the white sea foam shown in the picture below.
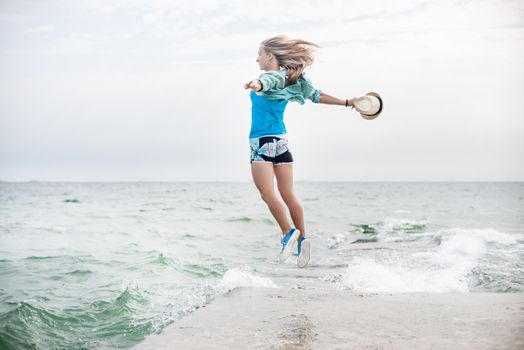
(243, 277)
(489, 235)
(447, 268)
(372, 276)
(336, 239)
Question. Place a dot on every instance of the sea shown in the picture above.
(102, 265)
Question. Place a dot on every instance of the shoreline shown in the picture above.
(277, 318)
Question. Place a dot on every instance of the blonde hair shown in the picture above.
(293, 54)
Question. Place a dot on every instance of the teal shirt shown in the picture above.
(268, 105)
(274, 87)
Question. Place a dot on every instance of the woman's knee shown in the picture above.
(288, 197)
(268, 196)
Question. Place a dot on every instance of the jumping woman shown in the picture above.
(284, 61)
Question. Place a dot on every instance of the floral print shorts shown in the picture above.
(270, 149)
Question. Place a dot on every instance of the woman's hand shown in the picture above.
(255, 85)
(351, 102)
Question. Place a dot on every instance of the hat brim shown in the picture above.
(373, 116)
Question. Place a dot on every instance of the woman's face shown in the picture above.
(263, 58)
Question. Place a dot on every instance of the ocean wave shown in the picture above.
(68, 258)
(243, 277)
(389, 229)
(191, 269)
(33, 324)
(73, 200)
(488, 235)
(248, 219)
(450, 266)
(124, 303)
(198, 207)
(24, 327)
(373, 276)
(188, 301)
(400, 225)
(78, 274)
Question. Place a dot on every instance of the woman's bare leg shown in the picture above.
(263, 176)
(284, 174)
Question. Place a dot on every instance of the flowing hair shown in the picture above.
(293, 54)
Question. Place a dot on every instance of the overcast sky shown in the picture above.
(114, 90)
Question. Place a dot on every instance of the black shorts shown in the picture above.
(270, 149)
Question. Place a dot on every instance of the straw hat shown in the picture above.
(369, 106)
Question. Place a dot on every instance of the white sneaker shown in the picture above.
(288, 241)
(304, 250)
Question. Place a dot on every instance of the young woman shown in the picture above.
(284, 61)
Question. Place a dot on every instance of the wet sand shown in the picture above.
(268, 318)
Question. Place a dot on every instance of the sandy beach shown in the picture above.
(274, 318)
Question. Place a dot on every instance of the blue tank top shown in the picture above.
(267, 116)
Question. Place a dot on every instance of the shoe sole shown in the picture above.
(289, 247)
(303, 259)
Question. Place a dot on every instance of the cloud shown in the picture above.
(174, 28)
(14, 18)
(149, 79)
(44, 30)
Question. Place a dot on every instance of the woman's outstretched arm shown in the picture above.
(331, 100)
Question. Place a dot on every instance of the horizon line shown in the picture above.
(250, 181)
